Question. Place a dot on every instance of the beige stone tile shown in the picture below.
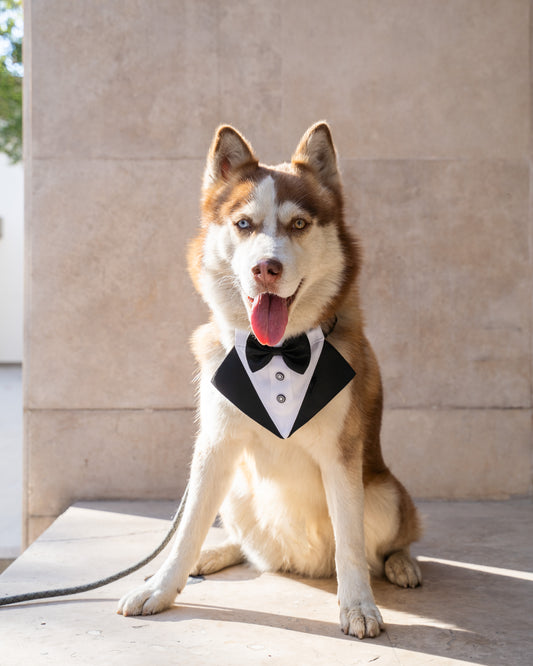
(446, 278)
(4, 563)
(124, 79)
(419, 78)
(239, 617)
(129, 454)
(531, 221)
(250, 73)
(75, 455)
(111, 306)
(462, 453)
(35, 527)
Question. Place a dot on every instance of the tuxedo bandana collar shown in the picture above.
(282, 387)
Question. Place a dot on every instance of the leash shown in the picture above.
(78, 589)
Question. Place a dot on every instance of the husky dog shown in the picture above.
(288, 449)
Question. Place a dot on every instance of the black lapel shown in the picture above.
(332, 374)
(233, 382)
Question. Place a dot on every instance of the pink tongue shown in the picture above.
(269, 318)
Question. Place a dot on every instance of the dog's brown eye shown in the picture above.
(299, 224)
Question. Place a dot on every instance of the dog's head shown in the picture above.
(273, 253)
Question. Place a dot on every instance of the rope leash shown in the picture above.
(78, 589)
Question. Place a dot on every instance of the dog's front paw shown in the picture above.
(147, 599)
(362, 619)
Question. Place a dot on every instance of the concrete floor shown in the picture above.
(476, 604)
(11, 460)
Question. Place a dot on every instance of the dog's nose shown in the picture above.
(267, 271)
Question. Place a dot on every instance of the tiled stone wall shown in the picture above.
(430, 104)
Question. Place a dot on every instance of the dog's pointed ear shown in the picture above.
(229, 151)
(316, 150)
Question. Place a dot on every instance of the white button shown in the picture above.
(281, 398)
(280, 376)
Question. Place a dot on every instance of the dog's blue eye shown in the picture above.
(243, 224)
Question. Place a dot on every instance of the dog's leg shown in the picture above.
(391, 524)
(359, 615)
(220, 557)
(211, 475)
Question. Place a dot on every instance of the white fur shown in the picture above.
(380, 522)
(290, 505)
(229, 257)
(268, 244)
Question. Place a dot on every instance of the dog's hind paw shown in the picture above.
(214, 559)
(361, 620)
(403, 570)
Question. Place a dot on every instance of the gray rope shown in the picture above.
(61, 592)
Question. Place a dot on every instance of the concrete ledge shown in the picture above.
(474, 606)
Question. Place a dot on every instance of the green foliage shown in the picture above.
(11, 79)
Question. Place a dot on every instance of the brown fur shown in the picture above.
(298, 182)
(324, 500)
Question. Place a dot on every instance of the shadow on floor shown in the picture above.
(458, 613)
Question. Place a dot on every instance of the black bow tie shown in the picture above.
(296, 352)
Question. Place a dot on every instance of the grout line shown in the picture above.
(443, 408)
(390, 408)
(113, 158)
(359, 158)
(109, 409)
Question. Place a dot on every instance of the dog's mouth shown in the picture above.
(269, 316)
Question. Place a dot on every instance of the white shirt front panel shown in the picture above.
(280, 389)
